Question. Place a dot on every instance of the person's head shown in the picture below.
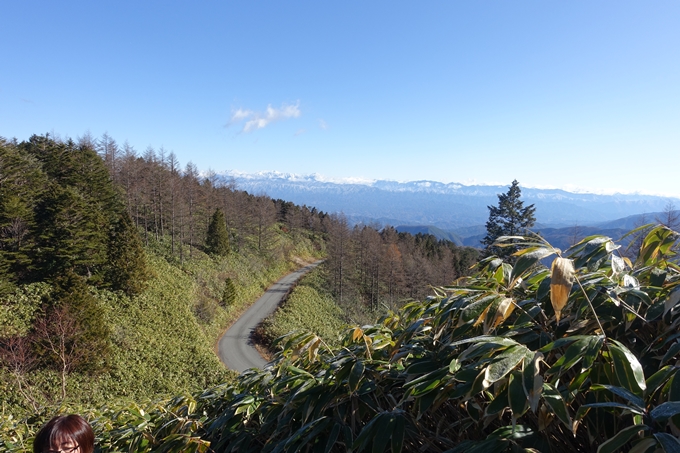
(65, 434)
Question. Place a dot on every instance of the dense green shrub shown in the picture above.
(18, 309)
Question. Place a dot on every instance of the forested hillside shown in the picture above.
(112, 285)
(103, 295)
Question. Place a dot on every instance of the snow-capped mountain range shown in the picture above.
(449, 206)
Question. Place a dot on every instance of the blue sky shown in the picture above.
(575, 94)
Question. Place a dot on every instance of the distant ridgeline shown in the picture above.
(452, 208)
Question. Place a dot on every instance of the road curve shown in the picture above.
(235, 348)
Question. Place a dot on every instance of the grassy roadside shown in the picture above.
(309, 307)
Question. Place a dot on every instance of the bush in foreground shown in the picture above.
(484, 367)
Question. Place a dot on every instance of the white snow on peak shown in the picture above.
(294, 177)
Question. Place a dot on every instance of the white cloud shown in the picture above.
(258, 120)
(322, 124)
(239, 115)
(300, 132)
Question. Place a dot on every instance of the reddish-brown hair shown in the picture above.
(72, 427)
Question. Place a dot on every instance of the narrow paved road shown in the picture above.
(235, 348)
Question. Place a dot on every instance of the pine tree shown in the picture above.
(217, 242)
(509, 218)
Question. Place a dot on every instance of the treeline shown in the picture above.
(75, 217)
(385, 267)
(366, 265)
(168, 202)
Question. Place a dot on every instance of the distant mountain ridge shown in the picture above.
(451, 207)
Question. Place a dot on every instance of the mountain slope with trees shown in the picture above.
(109, 294)
(119, 270)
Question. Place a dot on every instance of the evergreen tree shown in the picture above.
(509, 218)
(229, 293)
(72, 235)
(127, 269)
(22, 183)
(217, 242)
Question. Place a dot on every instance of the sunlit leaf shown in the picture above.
(665, 410)
(623, 393)
(627, 367)
(527, 258)
(655, 381)
(503, 364)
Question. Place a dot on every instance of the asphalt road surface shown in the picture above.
(235, 348)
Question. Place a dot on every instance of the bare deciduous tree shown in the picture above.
(670, 217)
(17, 356)
(58, 332)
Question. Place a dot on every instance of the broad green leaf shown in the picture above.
(621, 438)
(505, 362)
(627, 367)
(673, 386)
(397, 441)
(355, 375)
(517, 399)
(624, 407)
(367, 433)
(623, 393)
(643, 445)
(594, 346)
(656, 244)
(384, 431)
(532, 380)
(670, 444)
(475, 309)
(671, 353)
(483, 348)
(527, 258)
(665, 411)
(500, 402)
(501, 341)
(554, 400)
(572, 355)
(562, 342)
(427, 383)
(658, 379)
(672, 300)
(332, 437)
